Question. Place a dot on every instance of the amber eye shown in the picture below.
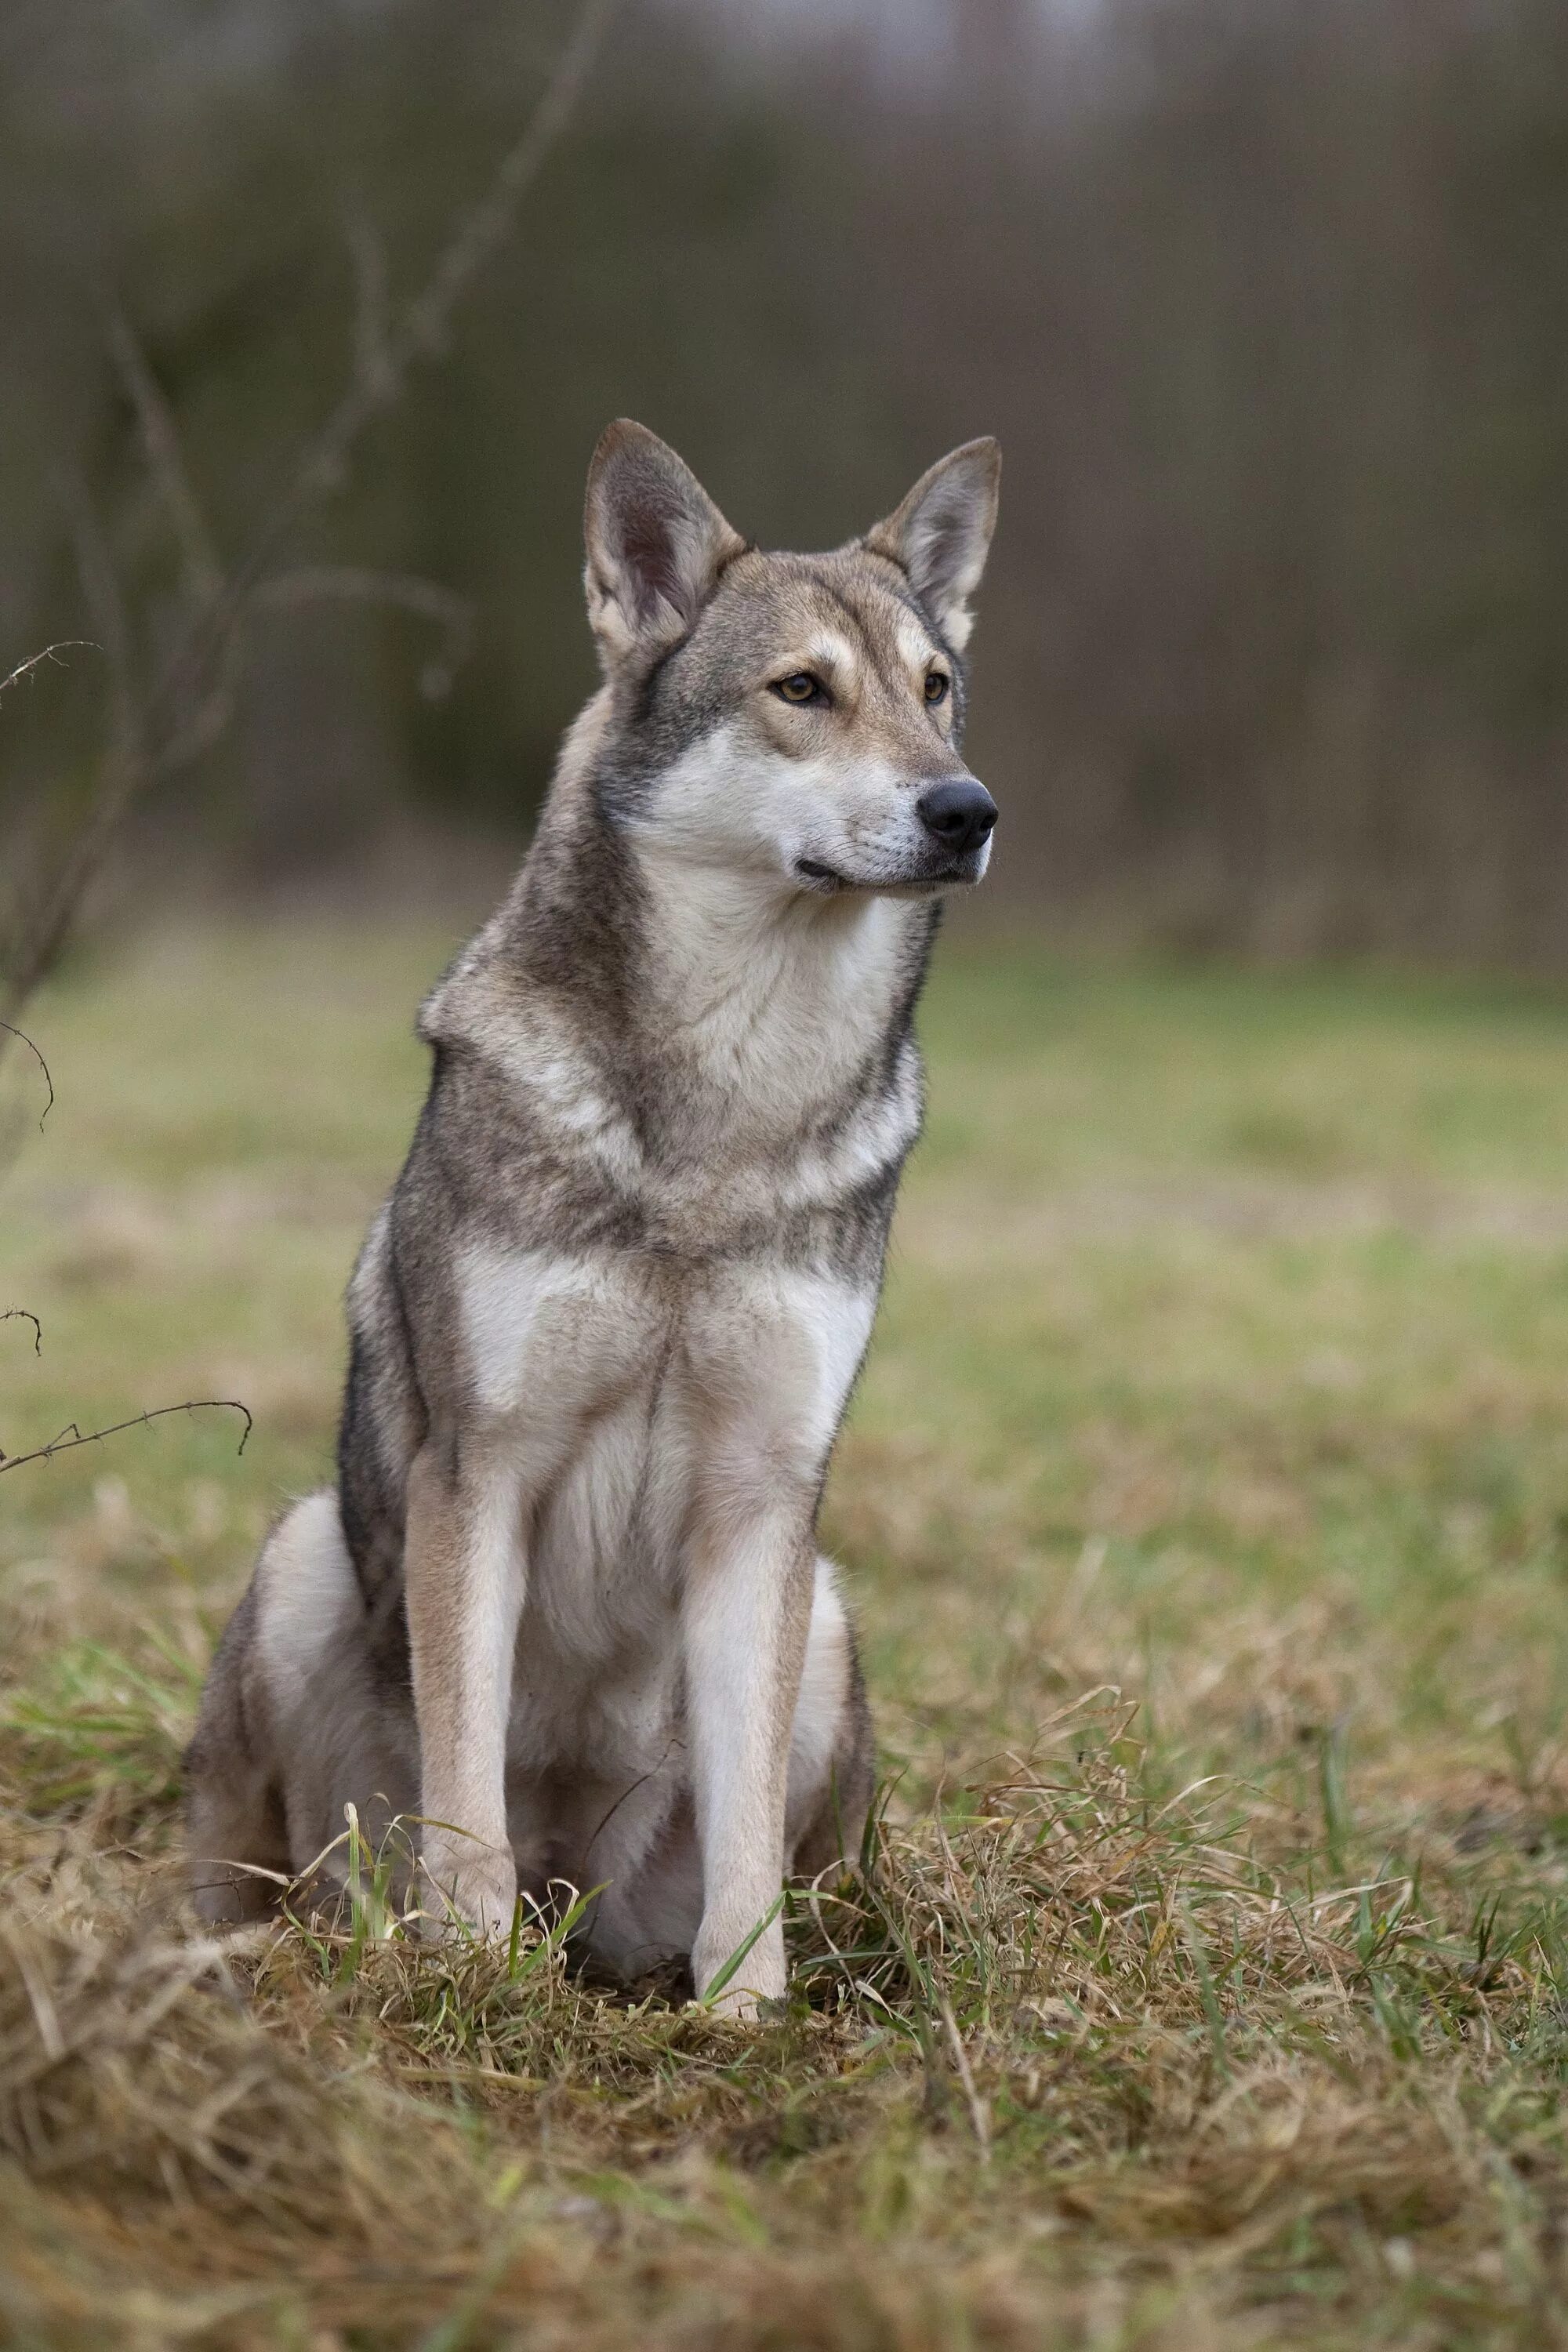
(937, 684)
(800, 687)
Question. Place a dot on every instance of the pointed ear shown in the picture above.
(941, 533)
(656, 543)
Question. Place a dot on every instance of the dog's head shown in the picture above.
(794, 716)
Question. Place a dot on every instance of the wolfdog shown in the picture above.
(563, 1608)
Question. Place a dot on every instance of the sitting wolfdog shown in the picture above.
(563, 1608)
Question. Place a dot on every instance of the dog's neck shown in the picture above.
(763, 1008)
(748, 971)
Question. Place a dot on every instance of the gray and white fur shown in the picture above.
(564, 1605)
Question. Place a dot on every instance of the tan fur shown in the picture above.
(567, 1604)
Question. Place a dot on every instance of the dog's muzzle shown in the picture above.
(958, 815)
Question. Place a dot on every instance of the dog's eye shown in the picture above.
(937, 684)
(799, 686)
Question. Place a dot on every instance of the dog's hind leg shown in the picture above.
(832, 1761)
(298, 1721)
(235, 1820)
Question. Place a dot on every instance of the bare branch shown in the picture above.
(25, 1039)
(192, 695)
(20, 1314)
(452, 613)
(125, 766)
(71, 1435)
(489, 225)
(309, 583)
(100, 586)
(206, 722)
(420, 332)
(372, 357)
(166, 461)
(25, 669)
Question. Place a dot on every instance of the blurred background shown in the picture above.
(1266, 300)
(1220, 1371)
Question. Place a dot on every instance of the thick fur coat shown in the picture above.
(564, 1611)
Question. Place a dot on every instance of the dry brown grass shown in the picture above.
(1206, 1984)
(1071, 2062)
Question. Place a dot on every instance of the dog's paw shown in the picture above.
(469, 1888)
(737, 2005)
(743, 1990)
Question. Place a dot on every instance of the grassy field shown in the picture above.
(1206, 1506)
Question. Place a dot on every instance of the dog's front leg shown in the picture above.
(464, 1574)
(746, 1610)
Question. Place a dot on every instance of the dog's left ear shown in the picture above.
(656, 543)
(942, 533)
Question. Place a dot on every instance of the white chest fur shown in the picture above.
(617, 1395)
(550, 1342)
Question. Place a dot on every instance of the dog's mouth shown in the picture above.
(827, 878)
(820, 876)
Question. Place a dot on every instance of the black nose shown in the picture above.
(960, 812)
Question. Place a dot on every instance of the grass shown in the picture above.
(1206, 1504)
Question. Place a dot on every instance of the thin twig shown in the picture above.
(979, 2120)
(349, 582)
(166, 461)
(71, 1435)
(367, 252)
(317, 582)
(100, 586)
(124, 769)
(486, 229)
(12, 1032)
(201, 729)
(60, 645)
(22, 1314)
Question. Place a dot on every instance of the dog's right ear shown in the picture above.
(655, 544)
